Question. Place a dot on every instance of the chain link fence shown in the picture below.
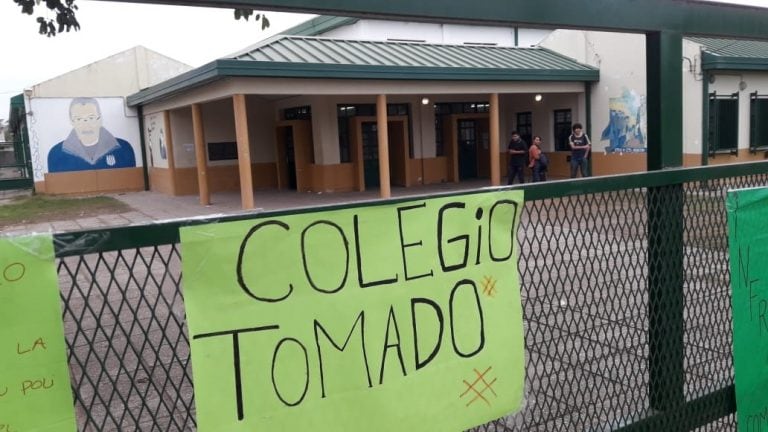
(626, 301)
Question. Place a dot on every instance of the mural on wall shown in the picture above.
(627, 125)
(89, 145)
(155, 135)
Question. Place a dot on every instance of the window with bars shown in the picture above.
(758, 122)
(723, 123)
(525, 126)
(562, 129)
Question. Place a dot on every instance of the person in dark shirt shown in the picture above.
(518, 158)
(580, 147)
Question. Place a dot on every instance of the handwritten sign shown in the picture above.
(747, 220)
(35, 393)
(402, 316)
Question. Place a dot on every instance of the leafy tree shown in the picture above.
(66, 19)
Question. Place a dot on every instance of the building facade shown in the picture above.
(83, 137)
(306, 110)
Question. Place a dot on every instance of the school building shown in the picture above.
(306, 110)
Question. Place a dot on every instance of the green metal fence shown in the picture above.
(625, 290)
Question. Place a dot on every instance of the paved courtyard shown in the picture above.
(153, 207)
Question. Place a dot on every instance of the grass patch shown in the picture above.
(38, 208)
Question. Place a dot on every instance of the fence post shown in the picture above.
(665, 222)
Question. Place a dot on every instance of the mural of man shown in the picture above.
(89, 145)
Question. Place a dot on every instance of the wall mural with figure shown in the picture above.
(154, 133)
(627, 125)
(89, 144)
(78, 134)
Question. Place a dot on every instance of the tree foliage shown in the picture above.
(66, 18)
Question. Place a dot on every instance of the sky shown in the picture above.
(189, 34)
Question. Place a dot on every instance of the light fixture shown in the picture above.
(538, 98)
(742, 85)
(425, 101)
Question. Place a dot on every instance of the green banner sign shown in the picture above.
(397, 316)
(748, 239)
(35, 393)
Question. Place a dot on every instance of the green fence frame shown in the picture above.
(664, 194)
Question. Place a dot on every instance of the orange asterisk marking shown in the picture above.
(479, 386)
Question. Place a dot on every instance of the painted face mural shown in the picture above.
(86, 121)
(626, 130)
(89, 146)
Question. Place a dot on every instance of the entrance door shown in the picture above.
(370, 154)
(467, 149)
(290, 157)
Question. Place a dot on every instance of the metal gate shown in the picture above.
(15, 157)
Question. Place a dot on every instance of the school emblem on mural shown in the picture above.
(627, 124)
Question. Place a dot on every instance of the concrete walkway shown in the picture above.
(148, 207)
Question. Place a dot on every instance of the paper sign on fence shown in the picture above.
(748, 240)
(35, 392)
(399, 316)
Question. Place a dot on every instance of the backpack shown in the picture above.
(543, 161)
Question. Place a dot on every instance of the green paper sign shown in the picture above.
(748, 239)
(35, 393)
(398, 316)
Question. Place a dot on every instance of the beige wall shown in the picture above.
(122, 74)
(261, 128)
(436, 33)
(219, 125)
(621, 60)
(183, 138)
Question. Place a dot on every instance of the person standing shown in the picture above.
(580, 147)
(518, 151)
(535, 163)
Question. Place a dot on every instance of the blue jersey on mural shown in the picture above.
(89, 146)
(111, 153)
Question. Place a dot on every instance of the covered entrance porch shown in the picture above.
(250, 128)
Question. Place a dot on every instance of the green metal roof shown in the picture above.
(732, 54)
(306, 57)
(379, 53)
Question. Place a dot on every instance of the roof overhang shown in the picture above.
(713, 62)
(229, 68)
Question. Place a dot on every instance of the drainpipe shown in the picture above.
(143, 142)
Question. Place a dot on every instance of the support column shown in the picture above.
(383, 135)
(200, 154)
(243, 151)
(665, 223)
(168, 134)
(494, 126)
(665, 100)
